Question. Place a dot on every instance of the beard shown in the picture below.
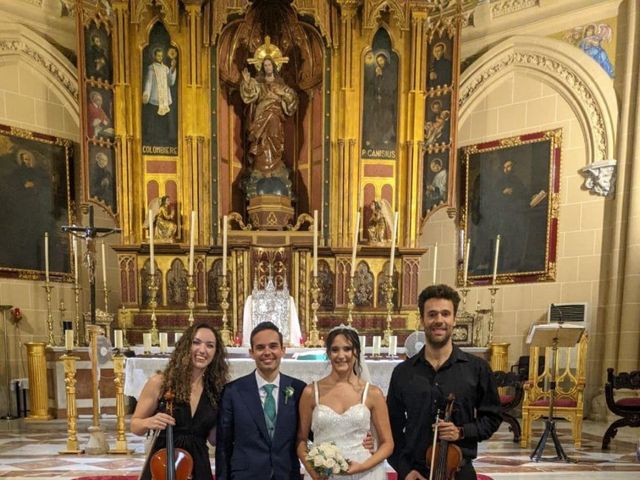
(437, 342)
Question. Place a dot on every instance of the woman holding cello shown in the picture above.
(193, 382)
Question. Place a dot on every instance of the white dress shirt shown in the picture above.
(263, 394)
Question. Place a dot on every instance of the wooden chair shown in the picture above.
(570, 379)
(626, 407)
(511, 393)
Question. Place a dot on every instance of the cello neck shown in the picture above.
(171, 468)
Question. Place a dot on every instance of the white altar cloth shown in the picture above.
(139, 369)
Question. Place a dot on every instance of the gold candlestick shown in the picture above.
(153, 303)
(224, 294)
(389, 289)
(351, 295)
(78, 334)
(123, 322)
(314, 335)
(105, 292)
(118, 372)
(72, 412)
(493, 291)
(48, 287)
(191, 295)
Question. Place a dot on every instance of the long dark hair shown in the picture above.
(351, 334)
(177, 374)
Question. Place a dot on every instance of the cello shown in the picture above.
(182, 465)
(444, 458)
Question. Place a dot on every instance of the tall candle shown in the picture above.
(224, 245)
(394, 233)
(164, 342)
(377, 342)
(146, 340)
(495, 260)
(466, 262)
(363, 342)
(435, 263)
(192, 241)
(68, 340)
(315, 242)
(118, 339)
(46, 256)
(104, 266)
(74, 243)
(176, 337)
(356, 228)
(152, 260)
(393, 345)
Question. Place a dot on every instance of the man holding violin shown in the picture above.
(420, 387)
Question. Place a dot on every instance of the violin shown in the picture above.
(182, 465)
(445, 458)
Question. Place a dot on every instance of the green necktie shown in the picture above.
(270, 409)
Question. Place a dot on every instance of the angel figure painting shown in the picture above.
(380, 222)
(164, 219)
(590, 39)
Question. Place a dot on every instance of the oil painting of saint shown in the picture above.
(98, 54)
(380, 100)
(440, 65)
(102, 186)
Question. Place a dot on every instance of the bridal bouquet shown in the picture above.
(327, 460)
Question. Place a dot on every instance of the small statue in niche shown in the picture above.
(379, 221)
(271, 101)
(163, 214)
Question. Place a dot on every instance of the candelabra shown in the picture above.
(48, 287)
(493, 291)
(105, 292)
(351, 295)
(191, 295)
(389, 289)
(123, 322)
(78, 332)
(314, 335)
(69, 361)
(224, 295)
(153, 303)
(118, 372)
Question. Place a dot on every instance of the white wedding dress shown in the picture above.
(347, 430)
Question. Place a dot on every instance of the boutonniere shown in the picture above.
(288, 392)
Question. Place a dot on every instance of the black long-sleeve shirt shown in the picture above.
(417, 391)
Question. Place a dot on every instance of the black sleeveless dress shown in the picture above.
(190, 433)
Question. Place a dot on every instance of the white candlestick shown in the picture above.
(104, 266)
(356, 228)
(146, 340)
(466, 262)
(68, 340)
(377, 342)
(315, 242)
(393, 345)
(192, 241)
(394, 233)
(224, 245)
(46, 256)
(435, 263)
(176, 337)
(118, 339)
(74, 243)
(164, 342)
(151, 256)
(495, 260)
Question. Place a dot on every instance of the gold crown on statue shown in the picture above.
(268, 50)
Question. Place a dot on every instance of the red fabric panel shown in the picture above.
(629, 402)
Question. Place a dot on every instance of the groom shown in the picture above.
(258, 417)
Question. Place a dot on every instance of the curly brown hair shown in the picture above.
(177, 374)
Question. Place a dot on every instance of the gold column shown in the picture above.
(72, 412)
(38, 385)
(118, 373)
(499, 353)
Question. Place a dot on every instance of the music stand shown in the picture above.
(553, 335)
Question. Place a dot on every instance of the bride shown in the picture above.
(340, 408)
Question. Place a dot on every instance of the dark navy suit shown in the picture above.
(244, 449)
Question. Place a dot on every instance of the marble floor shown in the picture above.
(30, 450)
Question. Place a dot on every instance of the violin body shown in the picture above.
(182, 464)
(444, 458)
(161, 466)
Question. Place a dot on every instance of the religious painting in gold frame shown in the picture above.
(510, 188)
(36, 199)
